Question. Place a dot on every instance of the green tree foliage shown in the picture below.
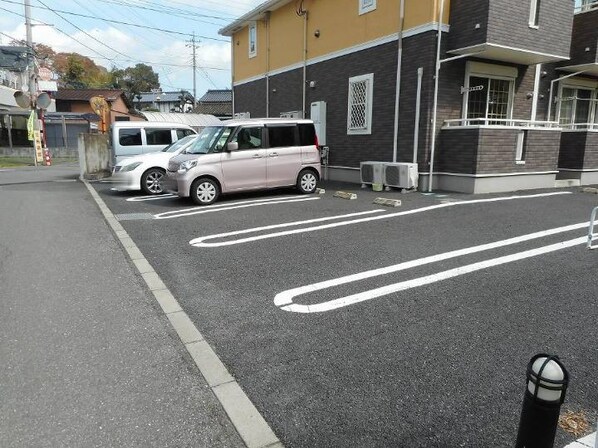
(134, 80)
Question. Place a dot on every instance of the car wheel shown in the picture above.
(204, 191)
(307, 181)
(151, 181)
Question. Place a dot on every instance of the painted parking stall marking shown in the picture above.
(284, 300)
(231, 206)
(204, 241)
(152, 197)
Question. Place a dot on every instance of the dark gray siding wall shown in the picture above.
(251, 97)
(579, 150)
(585, 36)
(464, 16)
(508, 24)
(486, 151)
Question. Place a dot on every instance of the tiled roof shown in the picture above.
(217, 96)
(223, 109)
(87, 94)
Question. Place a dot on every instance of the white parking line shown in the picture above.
(284, 300)
(202, 241)
(231, 206)
(198, 242)
(151, 198)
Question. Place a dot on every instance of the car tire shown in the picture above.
(307, 181)
(204, 191)
(152, 181)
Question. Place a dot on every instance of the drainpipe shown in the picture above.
(552, 89)
(435, 107)
(398, 85)
(536, 92)
(304, 60)
(232, 74)
(267, 23)
(418, 101)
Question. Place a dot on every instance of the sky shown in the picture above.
(108, 43)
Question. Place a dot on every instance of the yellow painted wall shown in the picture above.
(340, 27)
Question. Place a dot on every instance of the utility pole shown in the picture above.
(31, 75)
(194, 44)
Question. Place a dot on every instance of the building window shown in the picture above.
(534, 13)
(366, 6)
(578, 108)
(585, 5)
(489, 99)
(252, 40)
(359, 113)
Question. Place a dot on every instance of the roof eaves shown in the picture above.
(255, 14)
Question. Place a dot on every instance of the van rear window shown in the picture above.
(279, 136)
(307, 134)
(129, 137)
(158, 136)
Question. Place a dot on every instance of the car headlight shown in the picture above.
(130, 167)
(186, 166)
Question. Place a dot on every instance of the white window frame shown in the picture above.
(593, 109)
(252, 26)
(490, 71)
(366, 6)
(369, 78)
(534, 14)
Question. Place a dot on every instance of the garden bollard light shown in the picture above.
(547, 381)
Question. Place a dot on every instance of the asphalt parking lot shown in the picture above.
(352, 324)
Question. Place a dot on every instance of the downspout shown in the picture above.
(395, 146)
(304, 61)
(435, 106)
(267, 23)
(232, 73)
(418, 100)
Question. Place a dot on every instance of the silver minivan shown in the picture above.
(134, 138)
(242, 155)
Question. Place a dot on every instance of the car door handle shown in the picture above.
(257, 156)
(274, 154)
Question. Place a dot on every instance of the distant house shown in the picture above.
(77, 100)
(181, 101)
(216, 102)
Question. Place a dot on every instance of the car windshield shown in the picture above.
(211, 139)
(173, 147)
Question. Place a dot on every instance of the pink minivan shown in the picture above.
(242, 155)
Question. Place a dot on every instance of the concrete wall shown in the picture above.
(94, 156)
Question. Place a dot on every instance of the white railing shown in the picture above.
(586, 7)
(580, 127)
(507, 123)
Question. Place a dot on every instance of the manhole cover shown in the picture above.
(134, 216)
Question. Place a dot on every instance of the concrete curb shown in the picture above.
(249, 423)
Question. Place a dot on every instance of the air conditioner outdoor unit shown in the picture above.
(371, 172)
(401, 175)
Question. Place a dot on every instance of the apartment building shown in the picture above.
(514, 105)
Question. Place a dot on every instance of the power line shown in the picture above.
(118, 21)
(84, 32)
(188, 15)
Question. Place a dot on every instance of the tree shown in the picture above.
(134, 80)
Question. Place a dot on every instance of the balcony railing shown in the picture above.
(586, 7)
(503, 123)
(580, 127)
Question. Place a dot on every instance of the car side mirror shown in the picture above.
(232, 146)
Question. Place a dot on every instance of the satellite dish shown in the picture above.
(23, 99)
(43, 100)
(98, 105)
